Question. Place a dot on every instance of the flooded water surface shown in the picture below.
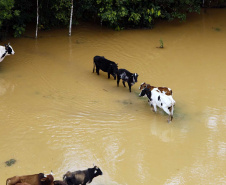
(56, 114)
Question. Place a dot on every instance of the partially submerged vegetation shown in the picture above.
(161, 44)
(216, 28)
(10, 162)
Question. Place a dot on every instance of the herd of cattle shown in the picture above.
(157, 96)
(70, 178)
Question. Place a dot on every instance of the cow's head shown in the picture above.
(134, 78)
(142, 86)
(97, 171)
(145, 92)
(9, 49)
(114, 70)
(94, 172)
(47, 180)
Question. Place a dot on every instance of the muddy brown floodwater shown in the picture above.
(56, 114)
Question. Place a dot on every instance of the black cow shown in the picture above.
(126, 76)
(82, 177)
(105, 65)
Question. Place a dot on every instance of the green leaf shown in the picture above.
(159, 13)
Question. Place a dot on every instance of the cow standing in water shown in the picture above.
(156, 98)
(5, 51)
(126, 76)
(105, 65)
(36, 179)
(82, 177)
(164, 90)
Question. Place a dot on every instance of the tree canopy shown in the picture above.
(117, 14)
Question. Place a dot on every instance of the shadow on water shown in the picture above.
(125, 102)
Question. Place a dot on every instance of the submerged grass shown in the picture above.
(10, 162)
(125, 102)
(216, 28)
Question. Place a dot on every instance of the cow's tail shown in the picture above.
(94, 65)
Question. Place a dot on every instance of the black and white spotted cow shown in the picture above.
(105, 65)
(159, 99)
(126, 76)
(6, 50)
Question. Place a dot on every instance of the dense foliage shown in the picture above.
(117, 14)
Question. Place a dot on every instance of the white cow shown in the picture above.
(6, 50)
(161, 100)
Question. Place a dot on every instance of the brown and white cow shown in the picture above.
(35, 179)
(158, 99)
(164, 90)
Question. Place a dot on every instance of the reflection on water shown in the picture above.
(56, 114)
(5, 87)
(221, 149)
(215, 117)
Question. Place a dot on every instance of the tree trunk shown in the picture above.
(71, 18)
(36, 35)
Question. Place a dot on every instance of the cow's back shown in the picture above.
(33, 179)
(103, 63)
(30, 179)
(80, 176)
(74, 178)
(124, 74)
